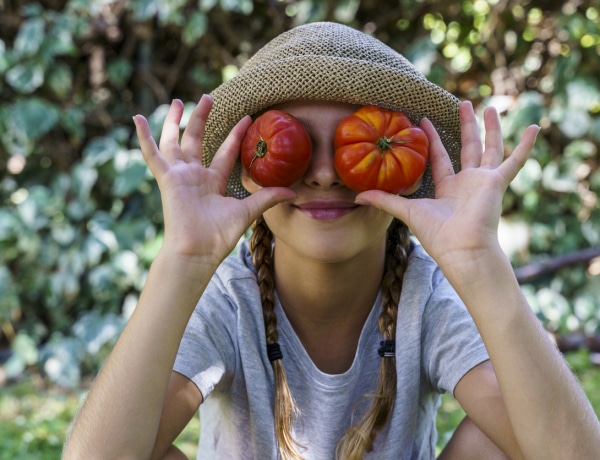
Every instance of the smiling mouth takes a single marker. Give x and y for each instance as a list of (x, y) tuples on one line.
[(327, 210)]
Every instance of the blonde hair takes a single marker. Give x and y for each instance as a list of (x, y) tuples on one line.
[(359, 438)]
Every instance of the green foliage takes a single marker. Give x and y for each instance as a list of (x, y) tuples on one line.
[(80, 215), (34, 420)]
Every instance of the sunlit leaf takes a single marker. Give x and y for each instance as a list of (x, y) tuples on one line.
[(60, 39), (144, 9), (30, 37), (26, 77), (95, 330), (61, 361), (528, 177), (33, 117), (194, 28), (575, 123), (100, 150)]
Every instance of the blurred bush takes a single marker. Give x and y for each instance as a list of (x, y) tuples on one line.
[(80, 215)]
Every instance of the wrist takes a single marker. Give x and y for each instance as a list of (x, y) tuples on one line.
[(482, 275), (186, 265), (184, 275), (469, 265)]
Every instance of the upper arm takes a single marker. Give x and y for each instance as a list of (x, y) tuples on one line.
[(479, 395), (181, 403)]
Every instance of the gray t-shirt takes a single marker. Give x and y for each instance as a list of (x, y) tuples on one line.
[(223, 352)]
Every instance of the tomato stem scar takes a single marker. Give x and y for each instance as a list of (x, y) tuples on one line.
[(259, 152)]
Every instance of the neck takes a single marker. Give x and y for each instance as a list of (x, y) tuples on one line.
[(327, 304)]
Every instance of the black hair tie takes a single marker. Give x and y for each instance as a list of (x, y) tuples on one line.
[(387, 349), (274, 351)]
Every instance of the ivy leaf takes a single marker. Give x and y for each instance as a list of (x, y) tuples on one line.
[(194, 28), (26, 77), (34, 117), (30, 37), (119, 72), (60, 80)]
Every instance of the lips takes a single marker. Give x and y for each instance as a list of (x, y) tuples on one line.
[(327, 209)]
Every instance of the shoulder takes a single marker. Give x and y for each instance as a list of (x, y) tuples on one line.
[(232, 285), (422, 270), (235, 269)]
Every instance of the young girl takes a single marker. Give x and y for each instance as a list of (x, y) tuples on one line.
[(330, 333)]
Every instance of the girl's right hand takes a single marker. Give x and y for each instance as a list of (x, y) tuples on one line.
[(202, 226)]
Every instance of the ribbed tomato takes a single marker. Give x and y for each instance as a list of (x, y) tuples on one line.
[(276, 149), (379, 149)]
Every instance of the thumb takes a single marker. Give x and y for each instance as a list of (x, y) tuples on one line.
[(265, 198), (395, 205)]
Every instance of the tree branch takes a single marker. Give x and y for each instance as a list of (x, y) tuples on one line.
[(530, 272)]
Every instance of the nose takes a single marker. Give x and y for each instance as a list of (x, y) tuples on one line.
[(321, 173)]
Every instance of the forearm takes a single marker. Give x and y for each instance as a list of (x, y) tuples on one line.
[(121, 415), (548, 411)]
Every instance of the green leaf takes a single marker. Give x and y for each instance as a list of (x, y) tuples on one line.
[(194, 28), (582, 94), (30, 37), (100, 150), (239, 6), (84, 178), (575, 124), (33, 117), (72, 120), (119, 71), (528, 177), (61, 359), (60, 79), (130, 179), (96, 330), (25, 353), (9, 303), (5, 58), (144, 9), (59, 40), (26, 77)]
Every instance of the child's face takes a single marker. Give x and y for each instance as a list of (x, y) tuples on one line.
[(323, 223)]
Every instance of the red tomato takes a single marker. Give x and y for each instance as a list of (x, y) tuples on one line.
[(379, 149), (276, 150)]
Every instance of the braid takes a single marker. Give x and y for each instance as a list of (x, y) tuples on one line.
[(285, 409), (360, 438)]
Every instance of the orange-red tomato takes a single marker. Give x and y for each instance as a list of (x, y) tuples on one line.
[(379, 149), (276, 149)]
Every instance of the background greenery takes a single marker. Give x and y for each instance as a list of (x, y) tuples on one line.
[(80, 216)]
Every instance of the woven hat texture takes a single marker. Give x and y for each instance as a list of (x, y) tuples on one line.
[(329, 61)]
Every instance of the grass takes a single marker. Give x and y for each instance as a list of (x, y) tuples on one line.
[(35, 418)]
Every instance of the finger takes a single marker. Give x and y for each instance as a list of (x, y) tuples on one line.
[(493, 154), (150, 151), (513, 164), (441, 165), (191, 141), (265, 198), (389, 203), (229, 151), (169, 138), (471, 152)]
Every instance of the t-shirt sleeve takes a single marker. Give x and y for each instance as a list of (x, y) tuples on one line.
[(208, 348), (452, 345)]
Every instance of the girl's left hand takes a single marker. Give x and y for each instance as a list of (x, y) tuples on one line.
[(462, 220)]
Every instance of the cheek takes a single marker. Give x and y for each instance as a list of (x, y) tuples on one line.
[(248, 183)]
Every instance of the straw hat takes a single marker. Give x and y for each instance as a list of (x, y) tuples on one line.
[(329, 61)]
